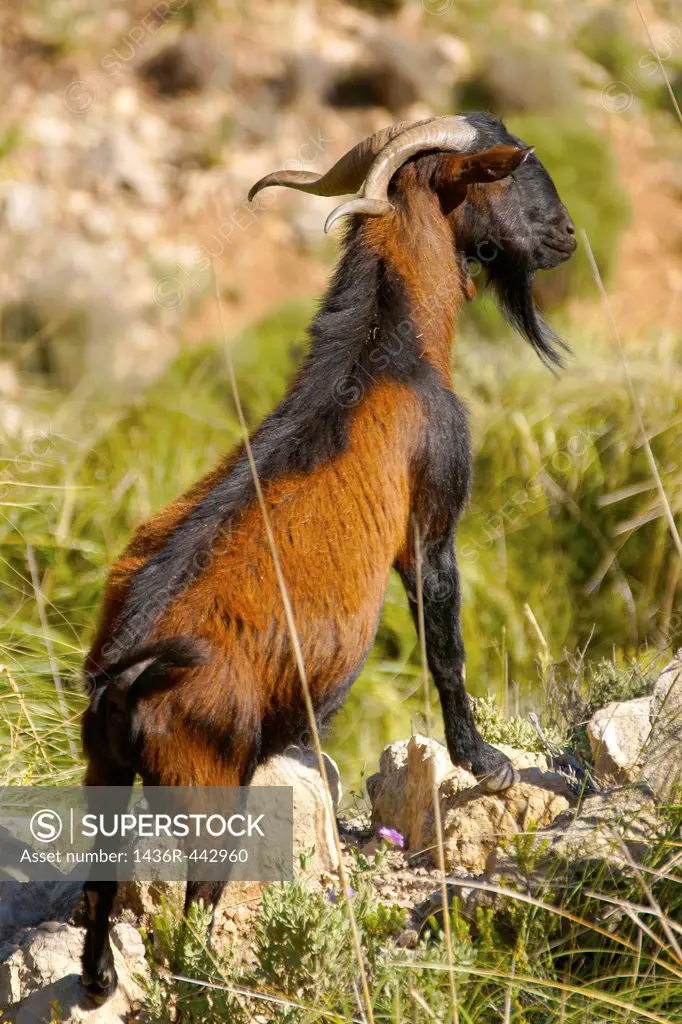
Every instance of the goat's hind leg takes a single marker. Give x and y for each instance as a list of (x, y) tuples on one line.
[(98, 974), (209, 892)]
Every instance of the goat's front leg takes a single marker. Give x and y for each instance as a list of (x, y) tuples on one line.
[(445, 655)]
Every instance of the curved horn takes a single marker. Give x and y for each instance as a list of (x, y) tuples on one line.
[(347, 174), (452, 133), (372, 207)]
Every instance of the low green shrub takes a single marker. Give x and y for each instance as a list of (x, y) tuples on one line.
[(570, 953), (609, 682)]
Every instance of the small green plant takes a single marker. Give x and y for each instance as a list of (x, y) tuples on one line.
[(608, 682), (185, 943), (10, 140), (514, 731), (302, 941), (381, 921), (167, 924)]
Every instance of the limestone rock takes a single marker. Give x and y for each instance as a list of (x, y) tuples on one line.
[(662, 770), (600, 837), (298, 768), (427, 762), (607, 824), (618, 735), (386, 788), (473, 822), (26, 904), (401, 791), (522, 759), (26, 206), (41, 977), (141, 901), (10, 976)]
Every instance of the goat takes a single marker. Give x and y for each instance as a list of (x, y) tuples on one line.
[(192, 674)]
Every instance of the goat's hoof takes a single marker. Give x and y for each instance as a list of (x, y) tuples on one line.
[(499, 779), (101, 987), (494, 771)]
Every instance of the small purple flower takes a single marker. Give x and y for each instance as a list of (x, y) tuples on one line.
[(332, 897), (391, 835)]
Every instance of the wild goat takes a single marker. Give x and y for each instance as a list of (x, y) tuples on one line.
[(192, 674)]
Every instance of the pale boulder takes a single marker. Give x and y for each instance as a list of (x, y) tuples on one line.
[(387, 788), (609, 829), (44, 973), (662, 770), (603, 835), (476, 824), (524, 759), (428, 764), (401, 792), (618, 735), (313, 816)]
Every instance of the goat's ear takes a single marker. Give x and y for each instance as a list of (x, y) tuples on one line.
[(488, 165), (453, 173)]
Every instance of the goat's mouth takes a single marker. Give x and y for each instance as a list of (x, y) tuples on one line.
[(554, 248)]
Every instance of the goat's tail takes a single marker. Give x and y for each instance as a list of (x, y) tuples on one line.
[(111, 721)]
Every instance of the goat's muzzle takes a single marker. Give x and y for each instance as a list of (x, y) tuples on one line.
[(555, 243)]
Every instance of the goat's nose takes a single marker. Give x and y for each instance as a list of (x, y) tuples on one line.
[(569, 226)]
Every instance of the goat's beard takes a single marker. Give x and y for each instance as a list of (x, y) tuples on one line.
[(512, 282)]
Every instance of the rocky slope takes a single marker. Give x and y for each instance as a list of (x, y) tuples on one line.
[(549, 829), (130, 135)]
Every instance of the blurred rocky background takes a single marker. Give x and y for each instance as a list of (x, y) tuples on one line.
[(130, 133)]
